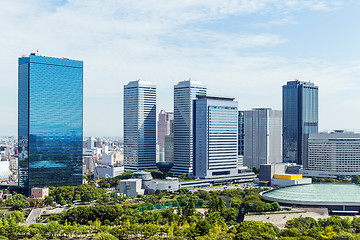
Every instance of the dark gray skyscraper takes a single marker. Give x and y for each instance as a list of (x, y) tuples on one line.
[(241, 133), (139, 125), (300, 118), (184, 94)]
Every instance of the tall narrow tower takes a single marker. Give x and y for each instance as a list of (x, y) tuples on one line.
[(139, 125), (300, 118), (50, 122), (184, 94)]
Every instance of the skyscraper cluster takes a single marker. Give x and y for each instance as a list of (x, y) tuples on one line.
[(205, 135), (211, 138)]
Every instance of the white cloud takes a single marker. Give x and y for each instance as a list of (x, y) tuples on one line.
[(162, 41)]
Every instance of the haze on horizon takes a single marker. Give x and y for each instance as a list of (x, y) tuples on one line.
[(243, 49)]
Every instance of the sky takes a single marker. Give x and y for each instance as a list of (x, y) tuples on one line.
[(245, 49)]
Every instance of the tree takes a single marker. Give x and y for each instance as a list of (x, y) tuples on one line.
[(355, 179), (18, 216), (87, 197), (301, 223)]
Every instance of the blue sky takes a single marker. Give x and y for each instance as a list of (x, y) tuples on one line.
[(244, 49)]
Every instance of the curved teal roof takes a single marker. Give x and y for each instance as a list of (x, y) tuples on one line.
[(316, 194)]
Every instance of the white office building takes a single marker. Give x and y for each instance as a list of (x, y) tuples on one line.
[(333, 154), (262, 137), (140, 125), (215, 137), (184, 94)]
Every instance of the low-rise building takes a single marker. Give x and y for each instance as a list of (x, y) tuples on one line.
[(147, 184), (39, 192), (285, 180), (282, 174), (108, 171), (131, 187)]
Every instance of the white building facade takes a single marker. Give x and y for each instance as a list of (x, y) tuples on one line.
[(140, 125), (262, 137), (333, 154), (184, 94)]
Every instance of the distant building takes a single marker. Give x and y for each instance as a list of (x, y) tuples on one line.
[(50, 122), (184, 94), (169, 145), (215, 137), (300, 118), (139, 125), (39, 192), (241, 133), (263, 137), (91, 143), (164, 127), (143, 183), (282, 174), (131, 187), (333, 154), (89, 164), (108, 159), (241, 138), (108, 171)]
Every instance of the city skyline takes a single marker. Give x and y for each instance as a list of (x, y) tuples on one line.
[(239, 49)]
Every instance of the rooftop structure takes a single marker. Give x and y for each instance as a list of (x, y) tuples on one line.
[(334, 196)]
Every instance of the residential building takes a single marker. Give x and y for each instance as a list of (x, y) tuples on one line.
[(50, 121), (184, 94), (262, 137), (139, 125), (215, 137), (300, 118)]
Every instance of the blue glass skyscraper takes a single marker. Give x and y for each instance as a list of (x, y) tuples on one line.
[(50, 121), (300, 118), (140, 125)]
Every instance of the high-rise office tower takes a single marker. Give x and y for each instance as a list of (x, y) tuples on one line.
[(215, 137), (139, 125), (263, 137), (300, 118), (241, 136), (184, 94), (169, 144), (164, 122), (50, 118)]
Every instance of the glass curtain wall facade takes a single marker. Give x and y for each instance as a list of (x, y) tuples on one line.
[(139, 126), (300, 118), (50, 121), (241, 133), (184, 94), (215, 137)]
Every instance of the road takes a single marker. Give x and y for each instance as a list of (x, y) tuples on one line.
[(34, 214)]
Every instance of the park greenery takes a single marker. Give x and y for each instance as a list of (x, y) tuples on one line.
[(92, 213)]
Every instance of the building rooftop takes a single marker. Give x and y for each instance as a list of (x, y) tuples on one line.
[(139, 83), (189, 83), (316, 194), (215, 97)]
